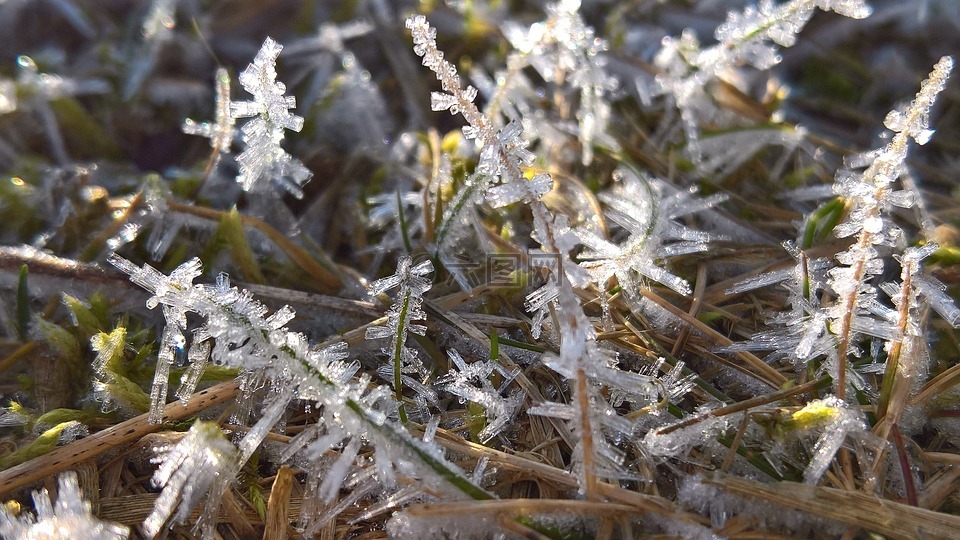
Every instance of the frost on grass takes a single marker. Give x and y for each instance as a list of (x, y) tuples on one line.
[(221, 131), (834, 420), (870, 197), (563, 49), (748, 37), (411, 283), (263, 159), (652, 233), (868, 186), (471, 382), (69, 517), (503, 152), (798, 333), (244, 336), (187, 471)]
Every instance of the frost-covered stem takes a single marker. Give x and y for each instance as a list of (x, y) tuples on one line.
[(385, 429), (791, 15), (397, 353), (849, 304), (881, 173), (515, 64), (460, 201), (207, 304), (425, 45), (397, 436), (572, 321), (894, 375), (586, 434), (783, 13)]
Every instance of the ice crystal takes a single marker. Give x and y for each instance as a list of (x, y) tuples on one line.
[(352, 109), (186, 473), (869, 196), (649, 218), (456, 99), (411, 281), (173, 339), (221, 131), (676, 443), (37, 89), (502, 152), (799, 333), (747, 37), (563, 48), (244, 336), (472, 382), (835, 421), (70, 517), (158, 30), (263, 158)]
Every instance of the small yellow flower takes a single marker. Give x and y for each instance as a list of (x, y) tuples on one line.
[(814, 414)]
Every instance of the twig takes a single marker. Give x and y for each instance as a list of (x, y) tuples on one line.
[(131, 430)]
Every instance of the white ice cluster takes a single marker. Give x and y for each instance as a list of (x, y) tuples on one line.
[(471, 382), (809, 330), (563, 49), (221, 131), (263, 157), (411, 282), (187, 472), (244, 336), (502, 152), (69, 518), (749, 37)]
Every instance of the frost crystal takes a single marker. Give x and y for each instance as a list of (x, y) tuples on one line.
[(564, 48), (411, 282), (186, 472), (263, 157), (70, 517), (649, 218), (502, 152), (747, 37), (353, 410), (835, 420), (471, 382), (221, 131), (869, 196)]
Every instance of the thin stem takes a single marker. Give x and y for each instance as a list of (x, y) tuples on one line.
[(892, 374), (746, 404), (398, 354)]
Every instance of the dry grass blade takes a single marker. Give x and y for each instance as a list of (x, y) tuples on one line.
[(123, 433), (769, 375), (745, 405), (519, 507), (882, 516), (278, 505), (938, 385), (640, 501), (327, 280)]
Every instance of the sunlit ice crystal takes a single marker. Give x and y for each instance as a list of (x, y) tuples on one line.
[(221, 131), (187, 471), (263, 157), (70, 517)]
